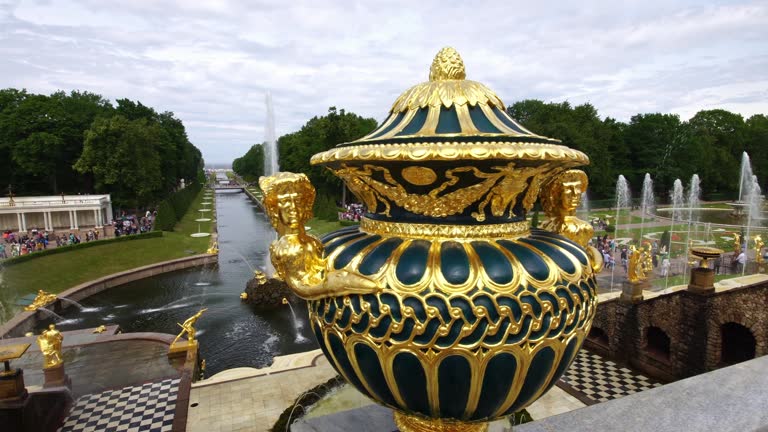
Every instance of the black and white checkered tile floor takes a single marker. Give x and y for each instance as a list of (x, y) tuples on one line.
[(593, 379), (149, 407)]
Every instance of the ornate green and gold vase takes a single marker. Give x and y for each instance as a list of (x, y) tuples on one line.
[(444, 304)]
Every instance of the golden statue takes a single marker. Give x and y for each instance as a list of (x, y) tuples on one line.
[(244, 296), (43, 299), (49, 342), (189, 327), (296, 255), (560, 198), (736, 243), (647, 258), (100, 329), (214, 249), (260, 277), (759, 248), (636, 268)]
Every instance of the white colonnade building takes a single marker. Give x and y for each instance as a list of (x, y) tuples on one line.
[(58, 212)]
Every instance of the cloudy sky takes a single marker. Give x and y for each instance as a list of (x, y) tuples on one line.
[(212, 61)]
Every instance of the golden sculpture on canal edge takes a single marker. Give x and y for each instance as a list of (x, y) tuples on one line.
[(49, 342), (444, 304), (188, 328), (43, 299)]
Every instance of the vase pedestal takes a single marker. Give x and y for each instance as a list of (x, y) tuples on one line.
[(408, 423)]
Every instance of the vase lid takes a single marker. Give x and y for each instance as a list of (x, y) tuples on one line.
[(450, 117)]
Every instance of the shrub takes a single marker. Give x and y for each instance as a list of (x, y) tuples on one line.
[(610, 228), (166, 217)]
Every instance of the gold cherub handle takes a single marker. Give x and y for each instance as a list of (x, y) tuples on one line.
[(297, 256)]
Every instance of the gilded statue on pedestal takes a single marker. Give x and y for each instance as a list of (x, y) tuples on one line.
[(49, 342), (298, 256), (636, 268), (188, 327), (759, 248), (736, 243), (43, 299)]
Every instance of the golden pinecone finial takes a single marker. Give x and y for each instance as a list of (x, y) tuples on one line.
[(447, 65)]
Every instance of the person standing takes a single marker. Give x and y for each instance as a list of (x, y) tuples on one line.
[(665, 266), (741, 261)]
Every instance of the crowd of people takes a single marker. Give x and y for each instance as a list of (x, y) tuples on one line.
[(132, 224), (352, 212), (17, 244), (20, 243)]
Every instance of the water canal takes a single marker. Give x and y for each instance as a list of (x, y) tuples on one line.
[(231, 334)]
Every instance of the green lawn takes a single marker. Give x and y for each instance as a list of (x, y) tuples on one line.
[(321, 227), (59, 272)]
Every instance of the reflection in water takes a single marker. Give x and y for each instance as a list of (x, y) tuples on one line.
[(232, 334)]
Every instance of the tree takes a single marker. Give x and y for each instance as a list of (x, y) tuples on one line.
[(251, 165), (124, 159), (756, 144), (317, 135), (654, 143), (577, 127), (713, 142)]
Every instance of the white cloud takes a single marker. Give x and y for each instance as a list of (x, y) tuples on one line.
[(212, 61)]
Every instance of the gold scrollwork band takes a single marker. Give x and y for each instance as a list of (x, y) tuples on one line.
[(450, 151), (434, 231)]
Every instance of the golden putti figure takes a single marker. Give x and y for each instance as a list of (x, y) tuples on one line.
[(50, 342), (444, 304)]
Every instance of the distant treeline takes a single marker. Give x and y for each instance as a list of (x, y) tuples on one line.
[(710, 144), (81, 143)]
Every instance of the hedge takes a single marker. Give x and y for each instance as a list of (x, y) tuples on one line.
[(166, 217), (85, 245), (173, 208)]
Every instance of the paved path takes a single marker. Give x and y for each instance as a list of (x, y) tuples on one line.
[(254, 403)]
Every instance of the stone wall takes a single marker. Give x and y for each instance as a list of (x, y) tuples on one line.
[(691, 322)]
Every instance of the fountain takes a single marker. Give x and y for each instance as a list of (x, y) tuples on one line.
[(745, 175), (694, 202), (622, 201), (647, 202), (271, 165), (676, 196), (297, 325)]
